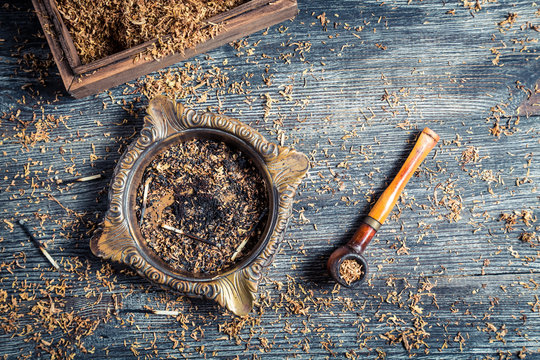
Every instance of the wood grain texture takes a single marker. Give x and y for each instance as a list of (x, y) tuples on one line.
[(444, 256)]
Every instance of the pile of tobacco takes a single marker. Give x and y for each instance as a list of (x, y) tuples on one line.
[(351, 271), (103, 27), (201, 205)]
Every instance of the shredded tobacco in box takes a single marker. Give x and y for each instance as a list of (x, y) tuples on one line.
[(104, 27), (351, 271), (204, 207)]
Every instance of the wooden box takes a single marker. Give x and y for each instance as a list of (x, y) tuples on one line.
[(82, 80)]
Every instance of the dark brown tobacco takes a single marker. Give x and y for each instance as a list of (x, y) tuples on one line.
[(103, 27), (204, 205)]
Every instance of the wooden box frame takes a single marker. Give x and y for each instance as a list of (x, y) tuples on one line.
[(83, 80)]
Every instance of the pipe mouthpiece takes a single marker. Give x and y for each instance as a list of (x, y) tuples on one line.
[(431, 134)]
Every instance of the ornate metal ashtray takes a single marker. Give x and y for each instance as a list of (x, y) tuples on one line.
[(167, 125)]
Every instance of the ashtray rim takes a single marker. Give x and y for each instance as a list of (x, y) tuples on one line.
[(156, 148)]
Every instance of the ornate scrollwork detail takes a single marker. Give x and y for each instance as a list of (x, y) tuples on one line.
[(118, 242)]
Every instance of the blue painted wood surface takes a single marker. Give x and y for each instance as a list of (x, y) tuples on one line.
[(450, 278)]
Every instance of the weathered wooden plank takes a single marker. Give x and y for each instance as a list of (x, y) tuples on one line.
[(355, 109)]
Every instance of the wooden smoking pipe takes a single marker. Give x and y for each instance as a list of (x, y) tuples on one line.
[(355, 247)]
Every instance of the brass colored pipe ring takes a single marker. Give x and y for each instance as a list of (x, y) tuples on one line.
[(373, 223)]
